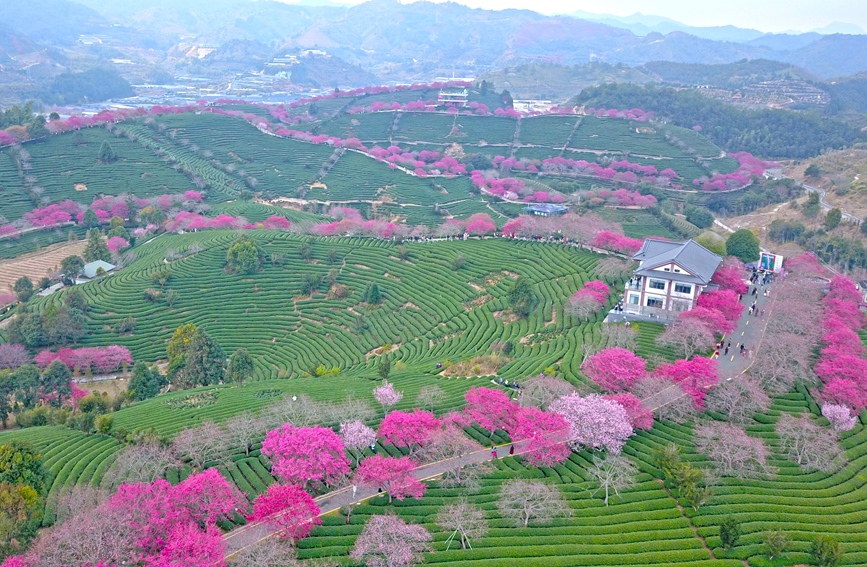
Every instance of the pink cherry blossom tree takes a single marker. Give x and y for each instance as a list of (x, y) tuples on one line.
[(724, 301), (117, 244), (730, 276), (639, 416), (388, 541), (695, 376), (843, 366), (616, 242), (166, 519), (356, 435), (840, 391), (306, 455), (12, 356), (393, 475), (840, 417), (615, 369), (547, 433), (491, 409), (589, 299), (190, 546), (99, 359), (405, 429), (594, 422), (387, 395), (290, 511)]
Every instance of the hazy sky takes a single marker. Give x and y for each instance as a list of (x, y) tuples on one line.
[(765, 15)]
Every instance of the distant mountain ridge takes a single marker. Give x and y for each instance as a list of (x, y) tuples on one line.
[(395, 42), (643, 24)]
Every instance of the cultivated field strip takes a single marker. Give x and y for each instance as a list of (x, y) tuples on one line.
[(37, 265)]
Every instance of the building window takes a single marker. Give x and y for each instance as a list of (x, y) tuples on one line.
[(633, 299), (654, 302), (682, 288), (657, 284), (676, 270), (666, 269)]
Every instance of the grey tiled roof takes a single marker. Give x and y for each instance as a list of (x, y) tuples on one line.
[(689, 255), (89, 270)]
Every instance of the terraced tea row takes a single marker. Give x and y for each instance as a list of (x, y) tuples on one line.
[(434, 312), (642, 528), (71, 457)]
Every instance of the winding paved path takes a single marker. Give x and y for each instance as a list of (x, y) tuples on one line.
[(825, 206), (250, 534), (749, 332)]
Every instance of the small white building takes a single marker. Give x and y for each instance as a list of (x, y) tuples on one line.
[(669, 278), (457, 97)]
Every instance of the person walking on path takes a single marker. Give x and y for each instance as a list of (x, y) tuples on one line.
[(354, 490), (493, 452), (512, 449), (727, 351)]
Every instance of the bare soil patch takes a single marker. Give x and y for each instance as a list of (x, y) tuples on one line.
[(385, 349), (111, 387), (477, 302), (506, 317), (479, 366)]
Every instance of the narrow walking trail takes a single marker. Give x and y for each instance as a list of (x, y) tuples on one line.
[(697, 535), (250, 534)]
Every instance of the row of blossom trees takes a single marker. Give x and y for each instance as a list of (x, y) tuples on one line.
[(98, 359), (619, 371), (842, 365), (748, 166)]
